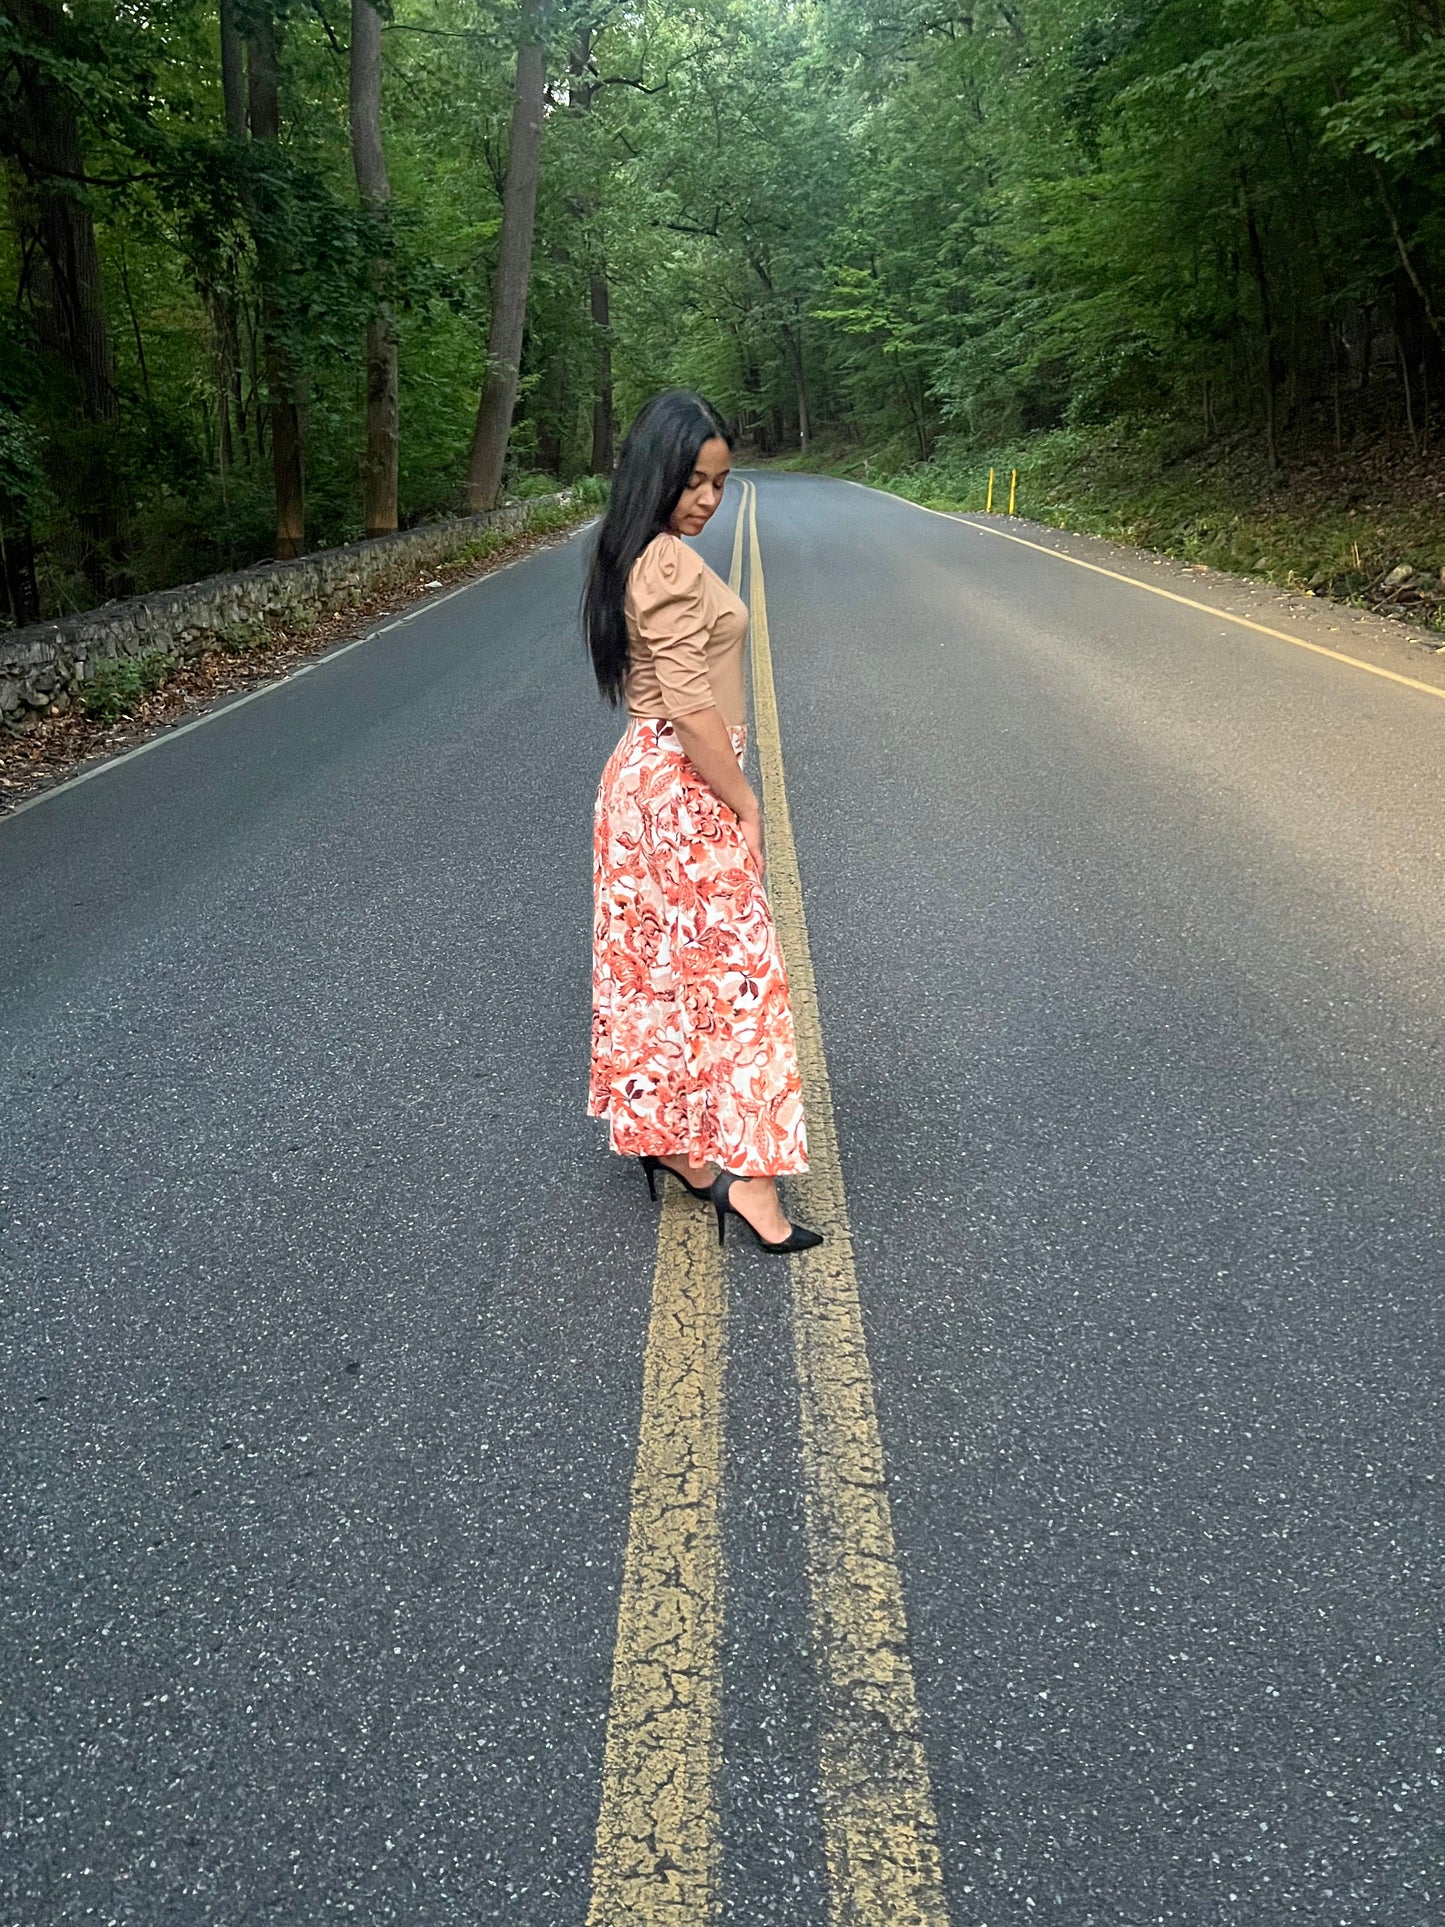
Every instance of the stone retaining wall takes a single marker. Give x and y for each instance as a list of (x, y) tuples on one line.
[(41, 667)]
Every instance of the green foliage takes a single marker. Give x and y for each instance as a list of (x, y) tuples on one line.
[(522, 488), (1074, 217), (1143, 482), (118, 683), (25, 494), (925, 232), (1395, 109)]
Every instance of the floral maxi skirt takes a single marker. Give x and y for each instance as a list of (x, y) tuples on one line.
[(692, 1032)]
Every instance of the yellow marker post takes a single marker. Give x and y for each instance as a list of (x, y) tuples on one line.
[(1013, 482), (1152, 588), (988, 505)]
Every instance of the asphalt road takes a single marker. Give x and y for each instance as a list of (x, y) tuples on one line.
[(324, 1304)]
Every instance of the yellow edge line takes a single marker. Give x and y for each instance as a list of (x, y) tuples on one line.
[(656, 1858), (880, 1827), (1169, 595)]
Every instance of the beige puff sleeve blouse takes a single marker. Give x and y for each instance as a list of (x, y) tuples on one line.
[(685, 634)]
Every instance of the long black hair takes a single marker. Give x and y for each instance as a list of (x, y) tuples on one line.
[(653, 468)]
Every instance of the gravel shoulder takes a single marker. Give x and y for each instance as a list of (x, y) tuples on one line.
[(1388, 643)]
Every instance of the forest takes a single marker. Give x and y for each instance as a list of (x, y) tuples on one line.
[(281, 273)]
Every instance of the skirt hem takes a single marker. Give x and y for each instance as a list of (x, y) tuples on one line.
[(655, 1144)]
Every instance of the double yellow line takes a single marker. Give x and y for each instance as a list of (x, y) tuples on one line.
[(657, 1857)]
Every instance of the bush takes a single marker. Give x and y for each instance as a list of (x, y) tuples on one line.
[(590, 491), (1332, 523), (521, 488), (117, 684)]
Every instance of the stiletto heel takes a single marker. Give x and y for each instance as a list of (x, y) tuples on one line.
[(651, 1166), (800, 1238)]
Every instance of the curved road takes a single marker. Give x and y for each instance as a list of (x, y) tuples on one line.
[(326, 1308)]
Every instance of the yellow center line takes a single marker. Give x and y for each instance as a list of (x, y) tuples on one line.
[(656, 1855), (656, 1858), (880, 1828), (1171, 595), (735, 568)]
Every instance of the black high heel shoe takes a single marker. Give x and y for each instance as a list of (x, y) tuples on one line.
[(650, 1168), (800, 1238)]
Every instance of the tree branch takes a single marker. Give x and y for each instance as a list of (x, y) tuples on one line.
[(626, 80), (336, 46), (686, 227), (35, 168)]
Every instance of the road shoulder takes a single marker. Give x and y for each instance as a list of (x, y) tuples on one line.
[(1396, 646)]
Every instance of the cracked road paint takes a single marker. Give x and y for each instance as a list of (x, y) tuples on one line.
[(881, 1831), (657, 1853), (656, 1857)]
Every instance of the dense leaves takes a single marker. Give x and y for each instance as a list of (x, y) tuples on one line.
[(925, 227)]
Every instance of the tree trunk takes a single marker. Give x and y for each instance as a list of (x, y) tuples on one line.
[(223, 316), (1409, 398), (583, 92), (604, 419), (19, 593), (514, 264), (64, 281), (789, 334), (549, 401), (1406, 258), (369, 159), (751, 414), (794, 347), (1271, 342), (56, 233), (223, 345), (233, 72), (284, 404)]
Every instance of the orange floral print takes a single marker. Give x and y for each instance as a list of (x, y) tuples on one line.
[(692, 1032)]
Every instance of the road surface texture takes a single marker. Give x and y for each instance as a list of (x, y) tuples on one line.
[(336, 1408)]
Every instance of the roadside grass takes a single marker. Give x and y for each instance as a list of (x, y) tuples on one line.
[(1365, 525), (583, 496), (118, 683)]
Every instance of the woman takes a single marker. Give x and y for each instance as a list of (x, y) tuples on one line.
[(693, 1062)]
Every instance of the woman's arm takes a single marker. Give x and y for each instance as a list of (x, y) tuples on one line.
[(670, 597), (704, 735)]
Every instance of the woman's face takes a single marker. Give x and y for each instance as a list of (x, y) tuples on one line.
[(704, 491)]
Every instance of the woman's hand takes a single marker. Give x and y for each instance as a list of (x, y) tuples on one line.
[(752, 825), (704, 736)]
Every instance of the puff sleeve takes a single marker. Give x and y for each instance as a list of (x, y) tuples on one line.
[(670, 602)]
